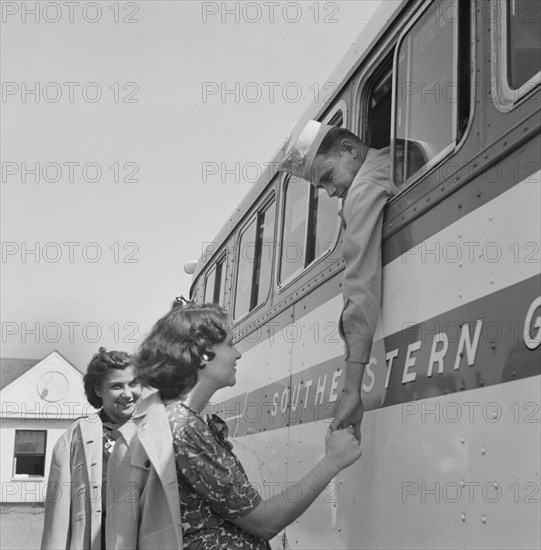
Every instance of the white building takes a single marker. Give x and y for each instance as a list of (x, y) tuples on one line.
[(39, 400)]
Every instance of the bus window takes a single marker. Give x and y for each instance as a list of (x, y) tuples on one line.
[(379, 107), (219, 290), (428, 120), (245, 270), (210, 283), (215, 283), (310, 223), (255, 255), (524, 41), (308, 232), (294, 227), (264, 253), (322, 224)]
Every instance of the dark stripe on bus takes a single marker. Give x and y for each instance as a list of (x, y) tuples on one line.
[(501, 355)]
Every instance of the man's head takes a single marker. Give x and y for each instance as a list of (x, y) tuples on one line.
[(327, 156)]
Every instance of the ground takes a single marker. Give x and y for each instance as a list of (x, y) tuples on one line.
[(20, 526)]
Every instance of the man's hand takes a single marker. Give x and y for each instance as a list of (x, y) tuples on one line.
[(350, 412)]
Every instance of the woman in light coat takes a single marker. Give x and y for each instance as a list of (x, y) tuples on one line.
[(184, 486), (74, 507)]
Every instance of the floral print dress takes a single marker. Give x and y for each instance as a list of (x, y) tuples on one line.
[(213, 486)]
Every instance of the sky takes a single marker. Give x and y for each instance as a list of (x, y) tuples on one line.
[(130, 131)]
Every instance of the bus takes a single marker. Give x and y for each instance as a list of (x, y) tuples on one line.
[(450, 437)]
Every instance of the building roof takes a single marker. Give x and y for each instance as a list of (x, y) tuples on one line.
[(13, 367)]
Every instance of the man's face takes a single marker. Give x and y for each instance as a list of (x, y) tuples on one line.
[(335, 172)]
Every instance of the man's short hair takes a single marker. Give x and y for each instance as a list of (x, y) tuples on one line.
[(331, 142)]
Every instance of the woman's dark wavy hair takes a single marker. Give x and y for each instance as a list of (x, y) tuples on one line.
[(179, 344), (99, 367)]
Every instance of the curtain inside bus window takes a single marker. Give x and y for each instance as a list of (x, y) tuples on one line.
[(292, 251), (524, 44), (245, 259), (426, 93), (209, 286), (265, 252)]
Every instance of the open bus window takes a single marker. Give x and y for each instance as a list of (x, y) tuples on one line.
[(30, 452), (255, 254), (524, 41), (432, 90)]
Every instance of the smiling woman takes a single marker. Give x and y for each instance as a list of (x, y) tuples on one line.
[(186, 486), (74, 507)]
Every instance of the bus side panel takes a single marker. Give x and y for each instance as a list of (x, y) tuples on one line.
[(444, 474)]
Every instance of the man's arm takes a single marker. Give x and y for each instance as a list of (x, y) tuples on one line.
[(363, 214)]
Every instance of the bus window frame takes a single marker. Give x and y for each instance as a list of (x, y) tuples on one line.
[(262, 206), (454, 145), (506, 99), (279, 285)]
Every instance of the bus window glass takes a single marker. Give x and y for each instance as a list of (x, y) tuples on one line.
[(524, 44), (265, 252), (294, 227), (246, 255), (323, 224), (209, 286), (426, 93)]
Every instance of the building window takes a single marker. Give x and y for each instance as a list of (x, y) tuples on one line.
[(255, 254), (524, 43), (432, 96), (30, 452)]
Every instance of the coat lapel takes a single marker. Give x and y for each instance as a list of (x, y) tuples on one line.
[(157, 441)]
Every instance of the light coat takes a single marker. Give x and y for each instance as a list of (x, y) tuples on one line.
[(143, 507), (73, 506)]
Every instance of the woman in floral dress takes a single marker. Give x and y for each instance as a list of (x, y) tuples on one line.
[(188, 356)]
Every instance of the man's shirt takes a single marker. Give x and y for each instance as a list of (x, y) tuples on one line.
[(362, 219)]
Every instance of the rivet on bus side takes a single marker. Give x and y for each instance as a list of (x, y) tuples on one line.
[(460, 294), (484, 519), (462, 484), (462, 439), (483, 451), (463, 517), (491, 281), (490, 218), (460, 264)]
